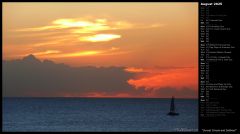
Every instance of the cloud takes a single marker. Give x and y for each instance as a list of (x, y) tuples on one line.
[(93, 26), (158, 78), (80, 33), (100, 37), (35, 78), (111, 51), (47, 52), (32, 77), (59, 54), (82, 25), (81, 53), (134, 70)]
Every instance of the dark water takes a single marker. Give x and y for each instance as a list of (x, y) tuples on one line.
[(92, 114)]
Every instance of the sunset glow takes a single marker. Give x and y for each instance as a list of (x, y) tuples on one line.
[(177, 78), (110, 49), (100, 37), (134, 70)]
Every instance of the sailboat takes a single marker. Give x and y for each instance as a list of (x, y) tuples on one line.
[(172, 108)]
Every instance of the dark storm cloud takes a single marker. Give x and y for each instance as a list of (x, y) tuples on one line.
[(32, 77)]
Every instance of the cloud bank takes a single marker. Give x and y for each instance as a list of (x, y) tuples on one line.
[(30, 77)]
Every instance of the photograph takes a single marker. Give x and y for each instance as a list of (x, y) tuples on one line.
[(100, 67)]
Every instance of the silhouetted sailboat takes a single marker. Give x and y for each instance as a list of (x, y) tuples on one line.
[(172, 108)]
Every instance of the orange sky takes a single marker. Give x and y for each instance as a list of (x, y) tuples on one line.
[(160, 39)]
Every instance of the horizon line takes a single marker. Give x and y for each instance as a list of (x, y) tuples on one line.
[(98, 97)]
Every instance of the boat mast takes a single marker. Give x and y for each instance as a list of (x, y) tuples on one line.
[(172, 108)]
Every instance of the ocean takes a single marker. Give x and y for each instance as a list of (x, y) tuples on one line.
[(98, 115)]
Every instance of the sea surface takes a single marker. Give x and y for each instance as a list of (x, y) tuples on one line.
[(98, 114)]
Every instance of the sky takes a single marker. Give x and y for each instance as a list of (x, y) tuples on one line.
[(157, 42)]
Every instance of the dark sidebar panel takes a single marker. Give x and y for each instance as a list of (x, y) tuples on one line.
[(218, 66)]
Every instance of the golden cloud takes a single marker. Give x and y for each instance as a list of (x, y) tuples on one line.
[(58, 54), (83, 25), (47, 52), (81, 53), (134, 70), (42, 53), (77, 27), (100, 37)]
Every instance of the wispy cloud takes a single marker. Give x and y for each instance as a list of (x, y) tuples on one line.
[(60, 54), (82, 25), (47, 52), (134, 70), (42, 53), (111, 51), (81, 53), (86, 25), (100, 37), (72, 31)]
